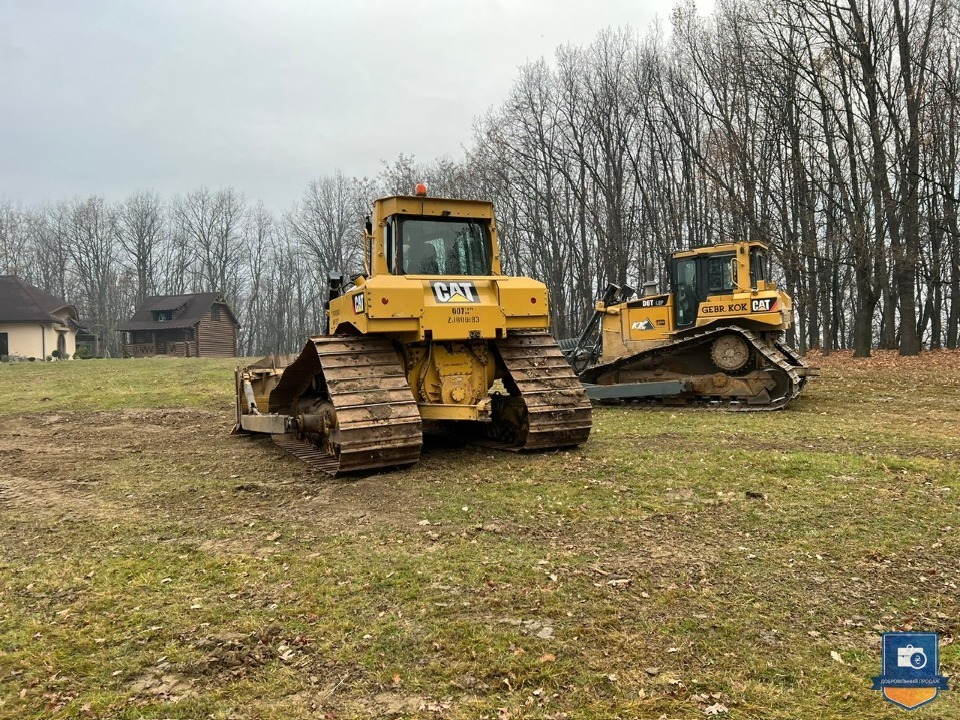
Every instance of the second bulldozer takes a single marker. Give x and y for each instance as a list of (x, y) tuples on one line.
[(431, 335), (714, 339)]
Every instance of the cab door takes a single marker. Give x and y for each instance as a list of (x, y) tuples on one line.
[(686, 290)]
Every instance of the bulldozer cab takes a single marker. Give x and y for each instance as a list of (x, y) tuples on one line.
[(423, 236), (442, 246), (720, 270)]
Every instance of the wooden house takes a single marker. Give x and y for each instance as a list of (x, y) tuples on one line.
[(33, 323), (198, 325)]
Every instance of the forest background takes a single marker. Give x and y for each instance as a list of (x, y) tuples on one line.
[(826, 129)]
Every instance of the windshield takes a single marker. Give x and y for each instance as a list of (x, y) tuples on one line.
[(439, 246)]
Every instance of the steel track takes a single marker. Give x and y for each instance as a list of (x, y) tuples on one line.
[(556, 411), (377, 421), (780, 358)]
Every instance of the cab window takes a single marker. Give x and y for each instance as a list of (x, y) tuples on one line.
[(388, 249), (442, 246), (685, 287), (720, 273), (758, 266)]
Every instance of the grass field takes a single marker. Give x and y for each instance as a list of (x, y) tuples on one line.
[(681, 564)]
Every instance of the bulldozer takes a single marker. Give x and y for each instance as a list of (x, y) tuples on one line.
[(715, 339), (431, 337)]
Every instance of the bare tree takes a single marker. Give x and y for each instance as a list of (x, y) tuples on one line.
[(139, 230)]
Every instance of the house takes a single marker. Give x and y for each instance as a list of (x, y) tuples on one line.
[(198, 325), (34, 323)]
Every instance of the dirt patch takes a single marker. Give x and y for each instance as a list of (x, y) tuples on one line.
[(887, 360), (102, 465)]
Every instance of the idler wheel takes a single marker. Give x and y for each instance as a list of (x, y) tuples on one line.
[(730, 353)]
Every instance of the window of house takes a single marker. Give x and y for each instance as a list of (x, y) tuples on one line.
[(162, 315), (4, 344), (215, 313)]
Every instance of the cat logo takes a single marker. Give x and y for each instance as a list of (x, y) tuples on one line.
[(455, 292), (358, 304), (765, 305)]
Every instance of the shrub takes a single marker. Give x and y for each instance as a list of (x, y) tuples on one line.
[(4, 358), (82, 352), (56, 354)]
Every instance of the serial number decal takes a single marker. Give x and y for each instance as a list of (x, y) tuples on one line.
[(462, 315)]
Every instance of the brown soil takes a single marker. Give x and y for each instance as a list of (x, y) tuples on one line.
[(93, 465)]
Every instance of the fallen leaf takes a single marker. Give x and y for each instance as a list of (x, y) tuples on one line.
[(548, 657), (836, 656), (716, 709)]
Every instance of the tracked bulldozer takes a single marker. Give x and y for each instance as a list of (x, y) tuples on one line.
[(431, 337), (714, 339)]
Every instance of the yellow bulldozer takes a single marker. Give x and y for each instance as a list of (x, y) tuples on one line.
[(714, 339), (432, 336)]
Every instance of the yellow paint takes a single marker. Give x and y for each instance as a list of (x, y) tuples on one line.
[(910, 697), (444, 325), (647, 322)]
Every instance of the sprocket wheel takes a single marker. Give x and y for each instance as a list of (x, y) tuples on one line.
[(730, 353)]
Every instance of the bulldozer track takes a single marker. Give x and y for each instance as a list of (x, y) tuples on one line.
[(779, 357), (557, 412), (377, 420)]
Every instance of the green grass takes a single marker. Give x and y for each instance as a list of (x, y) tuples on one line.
[(116, 384), (154, 566)]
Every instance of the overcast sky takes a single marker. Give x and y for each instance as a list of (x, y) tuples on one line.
[(108, 97)]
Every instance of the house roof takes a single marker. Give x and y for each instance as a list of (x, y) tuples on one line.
[(21, 302), (192, 309)]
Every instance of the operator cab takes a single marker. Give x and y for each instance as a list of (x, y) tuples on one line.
[(438, 246), (417, 235), (695, 275)]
